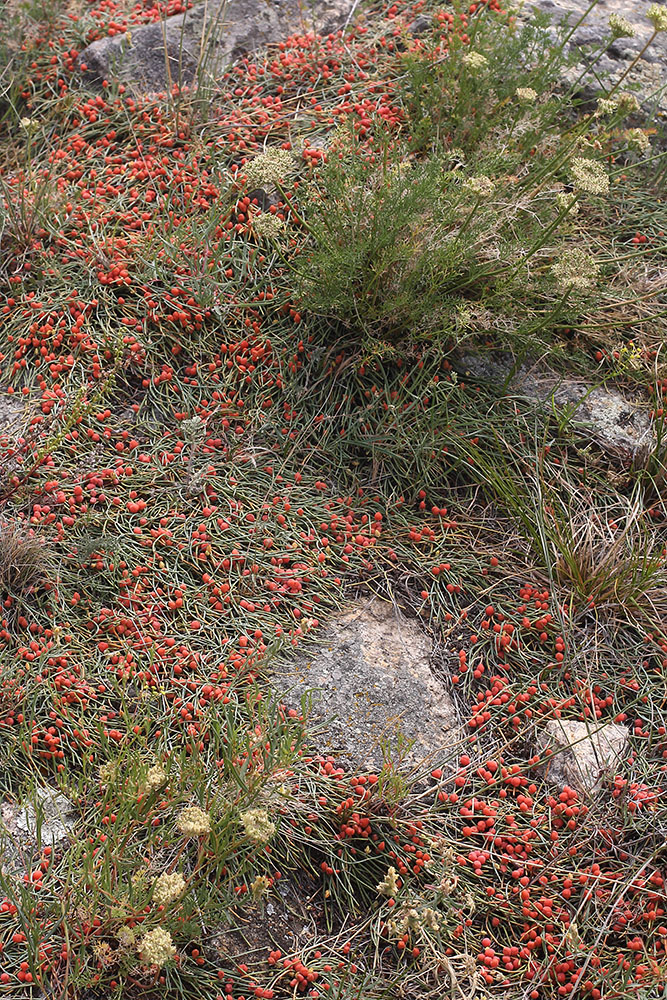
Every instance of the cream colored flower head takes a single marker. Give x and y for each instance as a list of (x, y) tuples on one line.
[(257, 826), (155, 778), (193, 822), (625, 103), (606, 106), (621, 27), (108, 773), (567, 203), (589, 176), (267, 169), (156, 947), (475, 61), (526, 95), (575, 269), (638, 139), (389, 884), (268, 226), (657, 15), (168, 887), (482, 187)]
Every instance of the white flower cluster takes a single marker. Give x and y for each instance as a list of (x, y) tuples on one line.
[(168, 887), (155, 778), (567, 203), (475, 61), (638, 139), (389, 884), (414, 920), (526, 95), (657, 15), (108, 773), (625, 103), (589, 176), (621, 27)]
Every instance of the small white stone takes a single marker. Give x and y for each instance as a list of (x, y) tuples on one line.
[(582, 751)]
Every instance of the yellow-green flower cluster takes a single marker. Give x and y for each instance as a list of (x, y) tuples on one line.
[(481, 186), (621, 27), (125, 936), (657, 15), (627, 103), (267, 169), (268, 226)]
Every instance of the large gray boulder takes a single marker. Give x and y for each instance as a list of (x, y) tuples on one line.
[(204, 40), (373, 689)]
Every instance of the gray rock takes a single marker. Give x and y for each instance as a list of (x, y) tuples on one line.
[(13, 414), (209, 36), (55, 812), (620, 426), (420, 25), (582, 752), (372, 684), (650, 73)]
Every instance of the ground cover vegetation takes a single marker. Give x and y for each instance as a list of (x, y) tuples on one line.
[(229, 326)]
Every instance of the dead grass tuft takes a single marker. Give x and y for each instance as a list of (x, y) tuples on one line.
[(24, 560), (610, 559)]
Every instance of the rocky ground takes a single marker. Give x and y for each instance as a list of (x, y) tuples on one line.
[(210, 35), (332, 541)]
